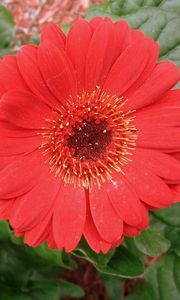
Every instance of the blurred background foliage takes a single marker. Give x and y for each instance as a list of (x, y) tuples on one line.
[(146, 267)]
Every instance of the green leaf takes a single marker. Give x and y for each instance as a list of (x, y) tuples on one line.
[(54, 257), (164, 277), (167, 221), (54, 290), (4, 230), (142, 291), (120, 262), (159, 19), (7, 234), (169, 215), (12, 270), (129, 242), (9, 293), (23, 271), (113, 286), (161, 281), (42, 255), (102, 10), (123, 264), (35, 39), (42, 290), (152, 242), (66, 28), (173, 235), (6, 28), (177, 272)]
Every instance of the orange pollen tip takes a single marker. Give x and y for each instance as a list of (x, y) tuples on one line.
[(88, 139)]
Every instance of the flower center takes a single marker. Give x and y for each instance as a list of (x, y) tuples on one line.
[(88, 139)]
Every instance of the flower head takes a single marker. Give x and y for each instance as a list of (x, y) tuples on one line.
[(89, 135)]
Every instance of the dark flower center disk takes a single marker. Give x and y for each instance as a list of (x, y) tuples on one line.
[(90, 139)]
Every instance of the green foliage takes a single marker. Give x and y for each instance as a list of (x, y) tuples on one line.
[(169, 216), (123, 264), (164, 276), (24, 270), (152, 242), (161, 279), (113, 286), (120, 262), (41, 290), (142, 291), (6, 30)]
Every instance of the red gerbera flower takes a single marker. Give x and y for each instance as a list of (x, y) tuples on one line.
[(89, 128)]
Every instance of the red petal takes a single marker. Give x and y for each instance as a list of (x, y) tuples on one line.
[(164, 76), (176, 155), (91, 234), (9, 130), (137, 35), (77, 43), (149, 187), (95, 22), (123, 74), (28, 66), (39, 233), (23, 109), (2, 89), (54, 34), (122, 36), (124, 199), (32, 207), (51, 241), (159, 163), (69, 217), (13, 145), (158, 116), (130, 231), (5, 208), (103, 50), (153, 53), (107, 222), (170, 99), (57, 71), (10, 76), (144, 216), (162, 138), (19, 177), (176, 192), (6, 160)]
